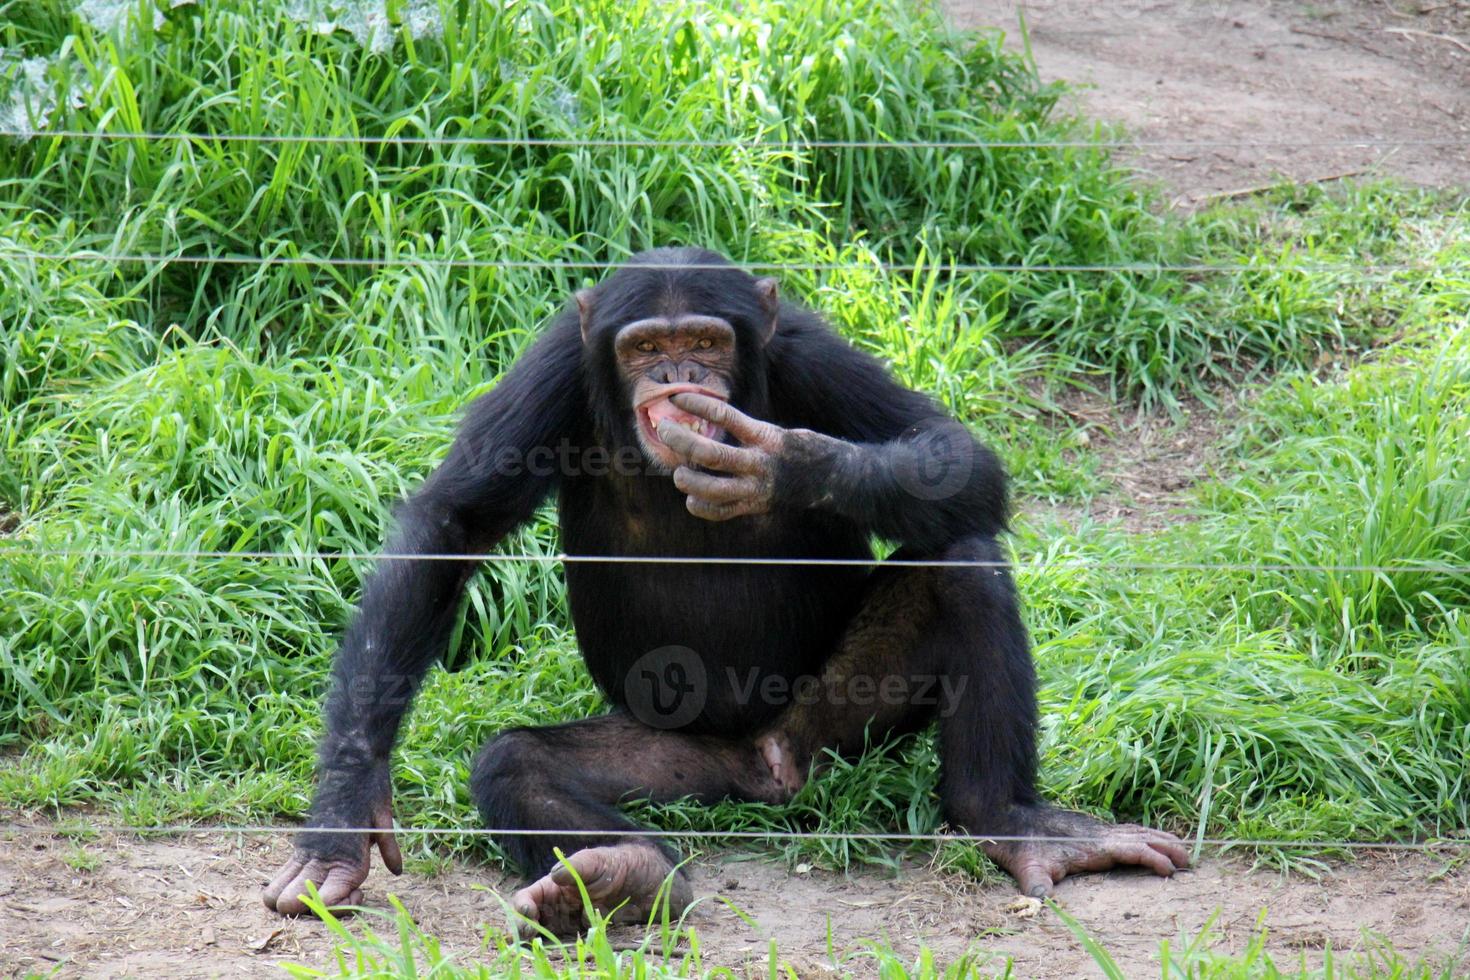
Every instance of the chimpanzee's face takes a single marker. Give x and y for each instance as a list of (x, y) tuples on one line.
[(652, 332)]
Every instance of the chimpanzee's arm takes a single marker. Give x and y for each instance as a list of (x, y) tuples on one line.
[(489, 483), (910, 472)]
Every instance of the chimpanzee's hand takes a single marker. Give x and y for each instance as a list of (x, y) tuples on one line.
[(745, 481), (337, 863)]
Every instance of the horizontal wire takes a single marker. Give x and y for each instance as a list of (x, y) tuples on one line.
[(1137, 268), (874, 836), (714, 144), (563, 558)]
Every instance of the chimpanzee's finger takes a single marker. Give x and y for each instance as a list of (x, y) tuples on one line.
[(1172, 846), (341, 886), (387, 843), (288, 894), (1159, 851), (732, 420), (388, 847), (706, 452), (716, 489), (1034, 879), (286, 876), (1116, 852)]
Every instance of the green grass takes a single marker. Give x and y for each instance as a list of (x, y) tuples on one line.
[(237, 407)]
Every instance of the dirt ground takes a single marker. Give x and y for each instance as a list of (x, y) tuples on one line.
[(189, 907), (1151, 462), (1301, 77)]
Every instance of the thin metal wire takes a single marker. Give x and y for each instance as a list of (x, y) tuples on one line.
[(716, 144), (763, 835), (563, 558), (1131, 268)]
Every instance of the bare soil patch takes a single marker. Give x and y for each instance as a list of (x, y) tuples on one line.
[(190, 907), (1151, 461), (1301, 77)]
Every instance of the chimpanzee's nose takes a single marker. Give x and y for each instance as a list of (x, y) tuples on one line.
[(679, 372), (692, 373)]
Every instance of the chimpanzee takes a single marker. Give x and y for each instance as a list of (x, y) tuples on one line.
[(680, 410)]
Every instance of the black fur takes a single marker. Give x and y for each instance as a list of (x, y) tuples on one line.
[(744, 622)]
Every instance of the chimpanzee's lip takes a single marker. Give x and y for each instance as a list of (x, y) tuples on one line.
[(658, 408), (672, 390)]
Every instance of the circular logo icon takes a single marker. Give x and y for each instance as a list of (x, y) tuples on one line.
[(666, 688), (942, 461)]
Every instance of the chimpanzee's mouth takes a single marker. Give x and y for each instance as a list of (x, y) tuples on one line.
[(660, 409)]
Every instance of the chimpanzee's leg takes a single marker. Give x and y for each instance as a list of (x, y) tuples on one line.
[(950, 642), (571, 777)]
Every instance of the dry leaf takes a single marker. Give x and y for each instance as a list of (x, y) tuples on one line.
[(1024, 907)]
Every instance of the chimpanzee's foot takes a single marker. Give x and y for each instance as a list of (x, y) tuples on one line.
[(1038, 865), (625, 877)]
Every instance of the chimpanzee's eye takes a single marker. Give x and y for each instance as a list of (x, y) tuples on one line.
[(705, 343), (647, 346)]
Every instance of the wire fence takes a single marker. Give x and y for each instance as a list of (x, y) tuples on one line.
[(562, 558), (938, 837), (1358, 270), (760, 143)]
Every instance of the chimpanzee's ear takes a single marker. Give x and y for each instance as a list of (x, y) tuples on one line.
[(584, 311), (770, 298)]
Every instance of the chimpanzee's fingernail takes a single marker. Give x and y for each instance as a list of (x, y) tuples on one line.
[(1039, 891)]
